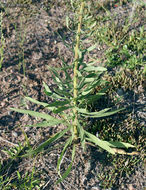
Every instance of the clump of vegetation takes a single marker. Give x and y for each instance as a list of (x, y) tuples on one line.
[(129, 53), (74, 95), (8, 181), (124, 45)]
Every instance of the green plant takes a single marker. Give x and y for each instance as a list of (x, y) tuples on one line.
[(27, 182), (130, 53), (123, 46), (4, 183), (5, 179), (70, 102), (2, 40), (17, 179), (9, 179)]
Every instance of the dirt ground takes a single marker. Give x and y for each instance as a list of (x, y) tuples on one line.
[(42, 47)]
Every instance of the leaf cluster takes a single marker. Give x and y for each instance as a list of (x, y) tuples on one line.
[(89, 77)]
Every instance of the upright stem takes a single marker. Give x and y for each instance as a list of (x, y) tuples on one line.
[(76, 61)]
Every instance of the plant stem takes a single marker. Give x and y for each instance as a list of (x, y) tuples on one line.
[(76, 61)]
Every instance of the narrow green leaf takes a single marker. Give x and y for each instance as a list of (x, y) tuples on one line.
[(81, 83), (86, 92), (47, 88), (79, 53), (81, 135), (69, 167), (79, 74), (103, 90), (63, 93), (92, 113), (102, 113), (54, 95), (66, 44), (92, 75), (36, 102), (100, 143), (94, 24), (116, 144), (81, 110), (47, 124), (58, 103), (73, 152), (68, 142), (57, 79), (89, 80), (93, 98), (65, 67), (54, 71), (91, 86), (61, 109), (49, 93), (92, 68), (65, 174), (18, 175), (92, 48), (107, 113), (36, 114), (92, 63), (47, 142)]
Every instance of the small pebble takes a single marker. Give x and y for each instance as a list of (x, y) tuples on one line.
[(14, 134), (95, 188), (140, 88), (3, 104)]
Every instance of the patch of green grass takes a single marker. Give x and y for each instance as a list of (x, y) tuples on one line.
[(124, 45), (123, 127), (18, 181), (122, 166), (11, 176), (129, 53), (26, 181)]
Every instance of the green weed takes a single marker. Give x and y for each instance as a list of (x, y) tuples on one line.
[(12, 177), (27, 181), (124, 46), (70, 100), (121, 166), (125, 128), (130, 52)]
